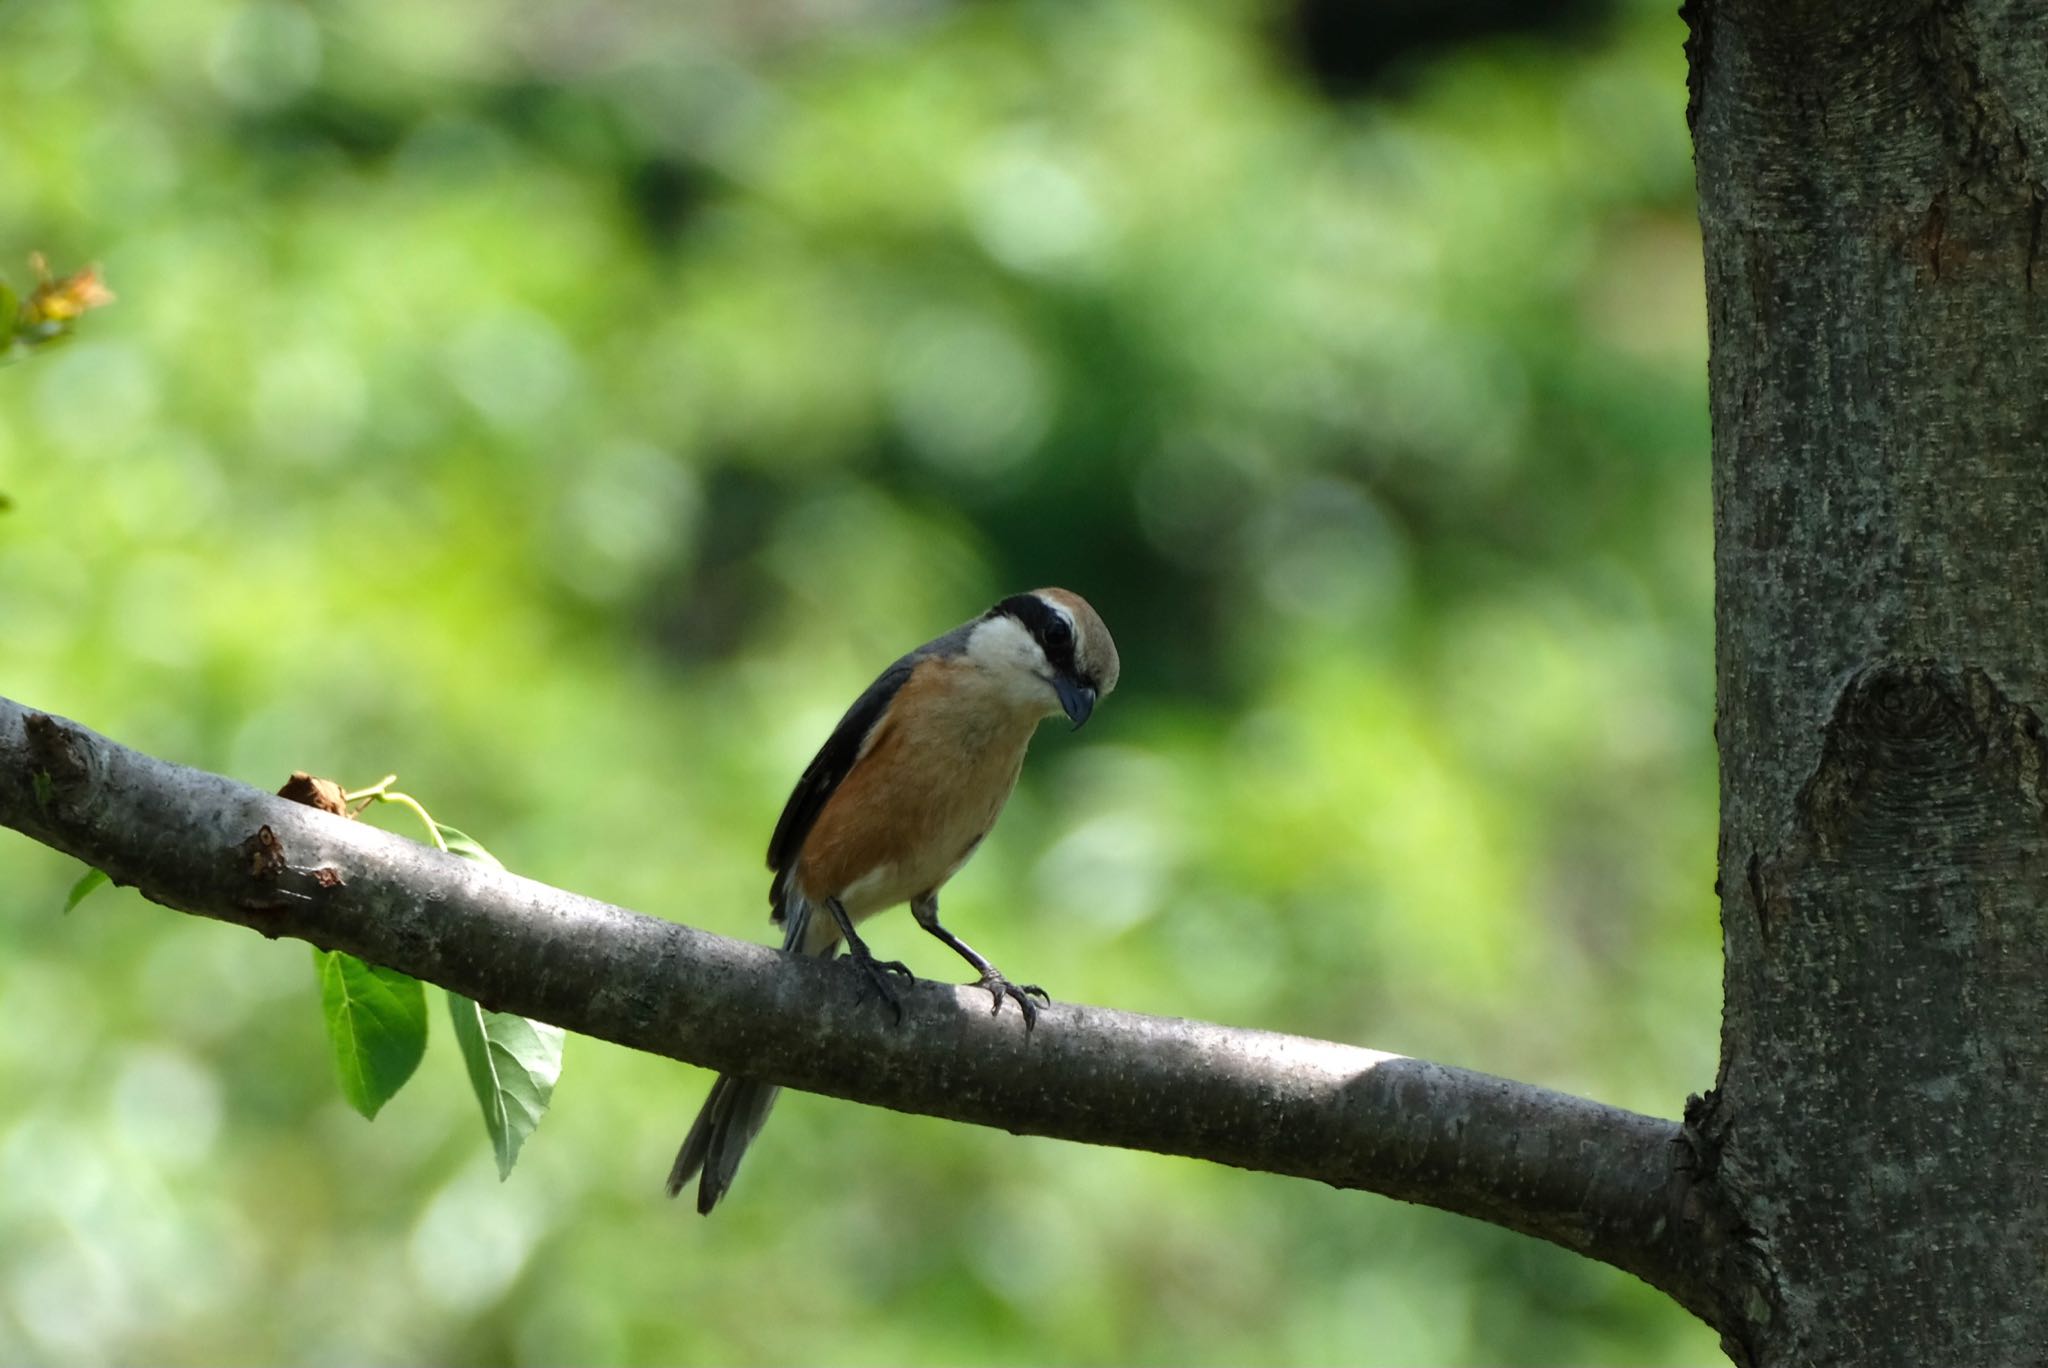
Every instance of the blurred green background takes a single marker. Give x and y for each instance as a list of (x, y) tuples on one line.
[(572, 407)]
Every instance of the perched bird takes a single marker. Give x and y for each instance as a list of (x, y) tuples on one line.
[(898, 797)]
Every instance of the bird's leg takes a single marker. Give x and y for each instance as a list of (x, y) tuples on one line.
[(926, 909), (878, 971)]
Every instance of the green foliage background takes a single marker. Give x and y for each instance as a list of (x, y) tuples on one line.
[(571, 407)]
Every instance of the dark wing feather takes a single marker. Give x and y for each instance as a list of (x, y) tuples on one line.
[(834, 759)]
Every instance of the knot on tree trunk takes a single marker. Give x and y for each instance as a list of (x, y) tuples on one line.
[(1924, 761)]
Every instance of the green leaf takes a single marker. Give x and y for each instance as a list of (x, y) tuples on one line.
[(376, 1024), (463, 844), (81, 890), (513, 1064), (10, 308)]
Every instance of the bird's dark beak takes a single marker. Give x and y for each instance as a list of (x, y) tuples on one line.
[(1077, 698)]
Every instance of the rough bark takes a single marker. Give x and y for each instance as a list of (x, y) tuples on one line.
[(1871, 201), (1607, 1183)]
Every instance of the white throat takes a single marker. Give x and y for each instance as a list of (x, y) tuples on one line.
[(1012, 663)]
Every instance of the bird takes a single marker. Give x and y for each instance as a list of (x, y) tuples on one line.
[(900, 795)]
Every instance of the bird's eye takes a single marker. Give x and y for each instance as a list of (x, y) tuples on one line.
[(1058, 633)]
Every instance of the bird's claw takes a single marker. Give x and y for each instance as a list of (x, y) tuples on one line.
[(878, 972), (1022, 993)]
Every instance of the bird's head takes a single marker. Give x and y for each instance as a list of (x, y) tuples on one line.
[(1050, 648)]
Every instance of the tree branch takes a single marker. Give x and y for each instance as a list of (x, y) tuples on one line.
[(1607, 1183)]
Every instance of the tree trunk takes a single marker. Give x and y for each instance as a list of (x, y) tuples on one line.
[(1872, 212)]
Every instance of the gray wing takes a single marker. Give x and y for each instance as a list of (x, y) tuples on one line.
[(836, 758)]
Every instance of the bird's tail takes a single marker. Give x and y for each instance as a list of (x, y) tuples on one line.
[(737, 1107), (731, 1118)]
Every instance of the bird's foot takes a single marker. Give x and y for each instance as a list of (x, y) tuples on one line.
[(878, 974), (1021, 993)]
